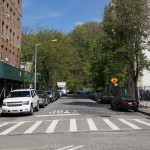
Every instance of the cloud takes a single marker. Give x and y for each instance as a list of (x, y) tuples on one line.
[(79, 23), (26, 3), (45, 16)]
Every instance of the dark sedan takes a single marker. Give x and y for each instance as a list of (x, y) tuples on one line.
[(43, 98), (125, 102), (103, 97)]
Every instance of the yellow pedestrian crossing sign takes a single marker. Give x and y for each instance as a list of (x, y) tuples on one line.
[(114, 80)]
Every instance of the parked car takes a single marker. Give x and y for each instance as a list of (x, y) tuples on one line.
[(60, 92), (21, 101), (43, 98), (125, 102), (103, 97), (84, 91), (93, 95), (51, 95), (57, 94)]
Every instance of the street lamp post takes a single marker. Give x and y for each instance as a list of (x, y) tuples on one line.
[(36, 46)]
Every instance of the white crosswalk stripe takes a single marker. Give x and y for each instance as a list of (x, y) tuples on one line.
[(52, 126), (11, 128), (109, 123), (92, 125), (73, 125), (129, 124), (3, 124), (32, 128), (140, 121)]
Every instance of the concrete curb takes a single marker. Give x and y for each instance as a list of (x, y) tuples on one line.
[(0, 111), (144, 112)]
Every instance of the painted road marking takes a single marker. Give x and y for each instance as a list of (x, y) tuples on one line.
[(140, 121), (11, 128), (73, 125), (57, 115), (71, 147), (52, 126), (91, 124), (65, 147), (76, 147), (3, 124), (63, 112), (109, 123), (129, 124), (32, 128)]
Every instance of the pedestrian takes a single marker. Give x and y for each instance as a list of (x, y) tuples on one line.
[(141, 92), (125, 92)]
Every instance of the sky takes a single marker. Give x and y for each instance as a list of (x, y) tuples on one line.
[(61, 15)]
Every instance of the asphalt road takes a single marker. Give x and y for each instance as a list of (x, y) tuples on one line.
[(76, 123)]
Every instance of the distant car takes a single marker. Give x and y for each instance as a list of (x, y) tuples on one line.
[(21, 101), (84, 91), (70, 92), (93, 95), (51, 95), (43, 98), (63, 90), (125, 102), (103, 97)]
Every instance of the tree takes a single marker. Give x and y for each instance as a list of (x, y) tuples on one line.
[(85, 39), (126, 24)]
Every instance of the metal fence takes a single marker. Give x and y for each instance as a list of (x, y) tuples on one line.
[(144, 93)]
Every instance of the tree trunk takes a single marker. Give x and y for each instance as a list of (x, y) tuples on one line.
[(135, 89)]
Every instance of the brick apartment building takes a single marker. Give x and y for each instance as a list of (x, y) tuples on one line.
[(11, 76)]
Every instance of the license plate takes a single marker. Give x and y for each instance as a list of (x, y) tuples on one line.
[(130, 103)]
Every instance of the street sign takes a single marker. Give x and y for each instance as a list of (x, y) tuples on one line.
[(114, 80)]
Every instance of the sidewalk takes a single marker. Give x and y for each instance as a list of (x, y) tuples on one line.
[(0, 111), (144, 107)]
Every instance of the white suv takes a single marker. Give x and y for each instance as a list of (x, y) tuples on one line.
[(21, 101)]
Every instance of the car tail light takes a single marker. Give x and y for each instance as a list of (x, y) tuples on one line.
[(135, 102), (124, 102)]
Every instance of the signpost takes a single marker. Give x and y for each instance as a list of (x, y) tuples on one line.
[(114, 80)]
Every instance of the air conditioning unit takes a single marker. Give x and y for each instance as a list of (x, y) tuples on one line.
[(18, 46), (6, 59), (7, 37), (7, 15)]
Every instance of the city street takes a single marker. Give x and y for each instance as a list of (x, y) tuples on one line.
[(76, 122)]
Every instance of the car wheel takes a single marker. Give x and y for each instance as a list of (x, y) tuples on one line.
[(37, 107), (46, 103), (99, 100), (112, 107), (43, 105), (3, 114), (118, 107), (135, 110), (49, 101), (31, 110)]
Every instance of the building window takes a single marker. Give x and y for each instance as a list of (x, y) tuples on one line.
[(3, 29), (10, 35), (7, 37), (13, 38)]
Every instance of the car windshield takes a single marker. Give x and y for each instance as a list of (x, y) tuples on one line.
[(124, 97), (20, 94), (106, 94), (39, 92), (60, 88), (49, 92)]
